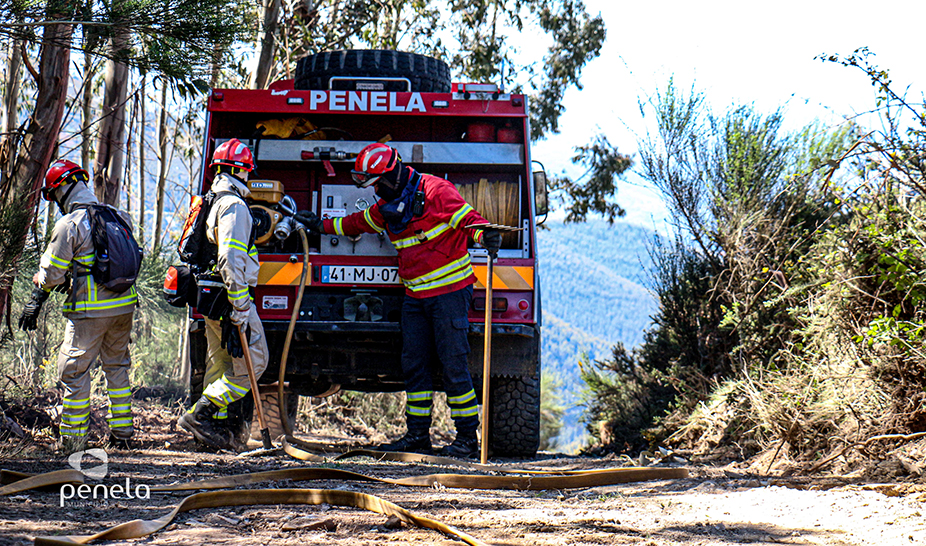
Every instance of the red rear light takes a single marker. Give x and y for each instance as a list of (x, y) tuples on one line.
[(523, 305)]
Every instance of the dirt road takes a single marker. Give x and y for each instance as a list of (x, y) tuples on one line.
[(715, 506)]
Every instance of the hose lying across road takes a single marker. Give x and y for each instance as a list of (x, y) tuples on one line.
[(228, 495)]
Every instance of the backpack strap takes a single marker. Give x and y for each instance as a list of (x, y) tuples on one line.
[(84, 270), (235, 194)]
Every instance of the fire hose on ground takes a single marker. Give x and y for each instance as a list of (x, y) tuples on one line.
[(226, 494)]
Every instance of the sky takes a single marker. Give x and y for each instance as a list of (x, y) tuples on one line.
[(759, 53)]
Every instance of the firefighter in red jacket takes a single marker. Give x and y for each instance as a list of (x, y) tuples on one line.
[(424, 216)]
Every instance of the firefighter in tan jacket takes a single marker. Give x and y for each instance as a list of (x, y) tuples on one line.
[(228, 227), (99, 322)]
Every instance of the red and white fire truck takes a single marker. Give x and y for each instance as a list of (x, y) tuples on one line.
[(304, 133)]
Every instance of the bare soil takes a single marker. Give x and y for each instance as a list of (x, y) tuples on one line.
[(720, 504)]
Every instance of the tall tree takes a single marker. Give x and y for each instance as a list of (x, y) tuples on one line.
[(110, 157), (266, 42), (23, 176), (164, 161), (175, 38), (142, 128)]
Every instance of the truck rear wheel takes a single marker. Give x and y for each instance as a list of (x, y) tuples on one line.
[(269, 401), (426, 74), (515, 410)]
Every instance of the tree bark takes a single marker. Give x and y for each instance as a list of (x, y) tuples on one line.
[(142, 127), (18, 192), (11, 97), (266, 43), (162, 174), (108, 167), (86, 110)]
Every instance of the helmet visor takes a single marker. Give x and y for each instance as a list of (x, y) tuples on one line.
[(362, 179)]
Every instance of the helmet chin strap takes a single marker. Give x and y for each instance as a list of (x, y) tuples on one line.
[(64, 198)]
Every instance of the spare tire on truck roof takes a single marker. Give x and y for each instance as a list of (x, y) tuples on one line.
[(426, 74)]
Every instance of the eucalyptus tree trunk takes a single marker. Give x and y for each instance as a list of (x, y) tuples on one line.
[(108, 167), (164, 165), (86, 110), (266, 44), (19, 190), (11, 87), (142, 128)]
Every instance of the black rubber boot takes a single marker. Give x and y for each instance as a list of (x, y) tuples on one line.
[(238, 423), (198, 422), (464, 446), (118, 442), (412, 442)]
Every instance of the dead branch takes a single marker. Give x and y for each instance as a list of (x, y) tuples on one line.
[(864, 445)]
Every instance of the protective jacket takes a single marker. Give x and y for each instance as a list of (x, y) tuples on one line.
[(229, 227), (71, 249), (432, 254)]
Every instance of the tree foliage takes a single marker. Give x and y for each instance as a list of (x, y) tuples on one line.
[(748, 200), (176, 38)]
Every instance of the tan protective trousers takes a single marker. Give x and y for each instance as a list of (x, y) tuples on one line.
[(86, 340), (226, 378)]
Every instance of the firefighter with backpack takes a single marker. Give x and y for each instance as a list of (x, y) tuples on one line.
[(94, 259), (226, 269)]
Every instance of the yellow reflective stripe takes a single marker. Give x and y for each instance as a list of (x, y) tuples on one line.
[(462, 399), (464, 412), (419, 396), (102, 304), (57, 262), (238, 294), (70, 431), (75, 419), (121, 422), (235, 244), (222, 392), (440, 272), (449, 274), (420, 412), (414, 240), (240, 390), (115, 393), (219, 399), (459, 215), (76, 404), (337, 224), (85, 260), (368, 216), (120, 408), (446, 281)]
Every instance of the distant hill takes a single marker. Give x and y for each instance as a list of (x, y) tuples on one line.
[(592, 279)]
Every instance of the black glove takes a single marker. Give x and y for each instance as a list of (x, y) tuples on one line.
[(31, 310), (310, 220), (492, 241), (231, 339)]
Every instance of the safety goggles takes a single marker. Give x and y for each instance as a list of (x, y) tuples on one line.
[(364, 180)]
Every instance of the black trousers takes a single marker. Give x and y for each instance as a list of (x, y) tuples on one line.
[(434, 330)]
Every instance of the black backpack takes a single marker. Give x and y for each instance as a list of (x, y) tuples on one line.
[(194, 248), (118, 257)]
